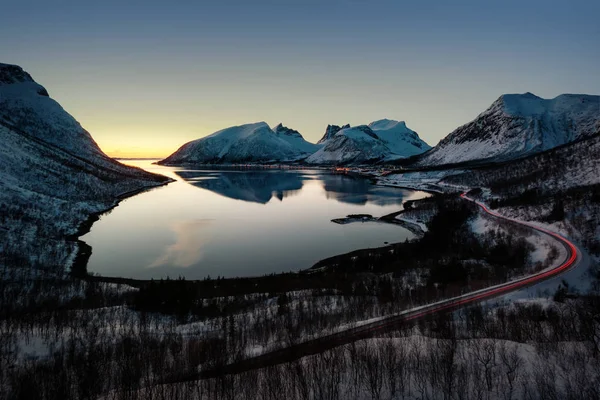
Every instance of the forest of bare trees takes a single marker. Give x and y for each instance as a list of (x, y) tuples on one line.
[(525, 350)]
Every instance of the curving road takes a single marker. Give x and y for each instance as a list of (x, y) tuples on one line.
[(314, 346)]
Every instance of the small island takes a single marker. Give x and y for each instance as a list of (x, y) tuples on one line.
[(354, 218)]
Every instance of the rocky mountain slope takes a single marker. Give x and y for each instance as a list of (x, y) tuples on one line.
[(379, 141), (295, 139), (52, 175), (517, 125), (245, 143), (552, 172), (330, 132)]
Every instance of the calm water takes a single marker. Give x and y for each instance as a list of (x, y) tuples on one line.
[(240, 223)]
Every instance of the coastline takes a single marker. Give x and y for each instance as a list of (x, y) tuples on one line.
[(386, 219), (78, 267), (84, 251), (413, 227)]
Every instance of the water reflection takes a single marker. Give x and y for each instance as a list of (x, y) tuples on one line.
[(355, 190), (261, 186), (236, 226), (190, 238), (255, 186)]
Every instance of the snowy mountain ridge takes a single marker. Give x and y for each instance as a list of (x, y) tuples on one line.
[(10, 74), (516, 125), (330, 132), (27, 105), (381, 140), (255, 142), (295, 139)]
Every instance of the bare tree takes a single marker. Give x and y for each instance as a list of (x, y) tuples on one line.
[(372, 366), (484, 352), (511, 364)]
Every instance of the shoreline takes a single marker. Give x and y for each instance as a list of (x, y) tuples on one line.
[(411, 226), (78, 267), (386, 219), (84, 251)]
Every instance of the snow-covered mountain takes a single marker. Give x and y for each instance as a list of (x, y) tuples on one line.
[(517, 125), (245, 143), (398, 138), (330, 132), (52, 173), (380, 140), (295, 139), (26, 105)]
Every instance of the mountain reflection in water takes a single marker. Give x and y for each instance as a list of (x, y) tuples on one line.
[(229, 222), (348, 189), (255, 186), (260, 186)]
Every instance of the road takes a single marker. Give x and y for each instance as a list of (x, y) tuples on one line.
[(314, 346)]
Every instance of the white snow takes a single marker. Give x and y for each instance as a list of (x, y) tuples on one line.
[(516, 125), (400, 140), (380, 140), (255, 142)]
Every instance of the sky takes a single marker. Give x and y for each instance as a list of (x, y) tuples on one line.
[(144, 77)]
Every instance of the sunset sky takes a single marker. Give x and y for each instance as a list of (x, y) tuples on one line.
[(147, 76)]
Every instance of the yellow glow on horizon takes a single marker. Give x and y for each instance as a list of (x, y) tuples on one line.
[(143, 141)]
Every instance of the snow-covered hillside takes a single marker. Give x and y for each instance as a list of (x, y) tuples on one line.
[(398, 138), (26, 105), (52, 174), (330, 132), (557, 171), (295, 139), (245, 143), (380, 140), (517, 125)]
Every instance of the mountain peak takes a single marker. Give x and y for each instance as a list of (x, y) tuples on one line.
[(330, 132), (280, 129), (249, 143), (22, 81), (516, 125), (518, 104), (526, 95), (379, 141), (387, 124), (10, 74)]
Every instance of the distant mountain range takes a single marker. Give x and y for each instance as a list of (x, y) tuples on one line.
[(258, 143), (514, 126)]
